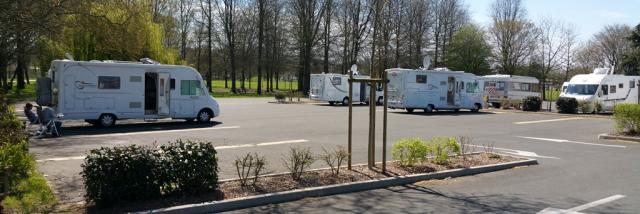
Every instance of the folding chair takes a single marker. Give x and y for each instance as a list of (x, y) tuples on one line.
[(48, 128)]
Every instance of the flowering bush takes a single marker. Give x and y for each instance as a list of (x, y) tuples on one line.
[(130, 173)]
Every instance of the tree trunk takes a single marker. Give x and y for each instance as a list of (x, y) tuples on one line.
[(260, 41), (209, 55)]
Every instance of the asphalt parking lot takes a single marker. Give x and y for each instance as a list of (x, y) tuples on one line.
[(576, 170)]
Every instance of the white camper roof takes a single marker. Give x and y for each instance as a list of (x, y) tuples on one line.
[(587, 78), (511, 77), (110, 63), (438, 71)]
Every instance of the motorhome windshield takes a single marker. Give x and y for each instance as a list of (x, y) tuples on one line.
[(582, 89)]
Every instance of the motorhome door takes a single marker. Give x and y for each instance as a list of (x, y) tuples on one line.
[(451, 92), (163, 94)]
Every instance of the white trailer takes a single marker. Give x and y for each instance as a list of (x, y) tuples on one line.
[(604, 88), (500, 87), (438, 89), (334, 88), (101, 92)]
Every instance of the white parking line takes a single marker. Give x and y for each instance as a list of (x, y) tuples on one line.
[(518, 152), (545, 121), (570, 141), (150, 132), (550, 210), (217, 148)]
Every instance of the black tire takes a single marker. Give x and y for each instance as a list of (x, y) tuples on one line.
[(107, 120), (331, 103), (477, 108), (379, 101), (496, 105), (345, 101), (410, 110), (429, 109), (204, 116)]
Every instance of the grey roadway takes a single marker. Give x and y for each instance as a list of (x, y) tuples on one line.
[(571, 173)]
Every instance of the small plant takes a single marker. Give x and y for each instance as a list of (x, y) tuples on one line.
[(465, 147), (280, 96), (488, 149), (598, 106), (584, 107), (517, 104), (441, 147), (297, 161), (250, 164), (627, 118), (505, 104), (532, 103), (409, 151), (567, 105), (334, 158)]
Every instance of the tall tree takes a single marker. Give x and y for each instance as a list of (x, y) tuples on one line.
[(227, 12), (631, 60), (185, 17), (261, 23), (207, 12), (327, 34), (512, 34), (308, 15), (469, 51)]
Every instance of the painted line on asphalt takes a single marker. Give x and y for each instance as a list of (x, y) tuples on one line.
[(570, 141), (546, 121), (518, 152), (61, 159), (151, 132), (575, 210), (217, 148)]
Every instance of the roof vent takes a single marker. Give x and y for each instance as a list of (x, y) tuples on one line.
[(149, 61)]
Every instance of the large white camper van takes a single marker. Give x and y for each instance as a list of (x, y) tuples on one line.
[(101, 92), (603, 87), (500, 87), (334, 88), (433, 90)]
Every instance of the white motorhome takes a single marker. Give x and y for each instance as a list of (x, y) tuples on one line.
[(334, 88), (438, 89), (101, 92), (500, 87), (565, 85), (603, 87)]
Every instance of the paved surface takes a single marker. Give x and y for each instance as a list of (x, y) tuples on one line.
[(575, 168)]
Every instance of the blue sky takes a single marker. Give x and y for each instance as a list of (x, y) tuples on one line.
[(588, 16)]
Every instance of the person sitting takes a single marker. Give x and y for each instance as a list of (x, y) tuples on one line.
[(32, 117)]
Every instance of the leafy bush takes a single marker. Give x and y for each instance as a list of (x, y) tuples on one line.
[(585, 107), (409, 151), (119, 174), (505, 104), (627, 118), (441, 147), (130, 173), (567, 105), (532, 103), (334, 158), (297, 161), (188, 166), (250, 164), (31, 195), (598, 106), (280, 96)]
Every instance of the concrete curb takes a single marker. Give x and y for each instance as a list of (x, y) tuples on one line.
[(292, 195), (600, 116), (616, 137)]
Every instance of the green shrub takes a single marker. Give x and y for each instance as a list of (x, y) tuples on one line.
[(441, 147), (30, 195), (567, 105), (532, 103), (627, 118), (188, 167), (280, 96), (409, 151), (297, 161), (505, 104), (598, 106), (585, 107), (118, 174)]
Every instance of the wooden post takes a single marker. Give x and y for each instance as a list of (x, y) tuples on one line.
[(372, 124), (350, 119), (384, 123)]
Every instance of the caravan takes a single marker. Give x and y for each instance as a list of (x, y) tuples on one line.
[(604, 88), (500, 87), (101, 92), (334, 88), (433, 90)]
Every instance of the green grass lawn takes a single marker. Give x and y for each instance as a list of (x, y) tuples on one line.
[(551, 95), (28, 93), (253, 84)]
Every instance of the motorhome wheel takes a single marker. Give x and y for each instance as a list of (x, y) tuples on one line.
[(379, 102), (429, 108), (107, 120), (410, 110), (476, 108), (345, 101), (204, 116), (331, 103)]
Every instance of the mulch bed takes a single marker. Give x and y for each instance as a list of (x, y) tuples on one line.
[(279, 183)]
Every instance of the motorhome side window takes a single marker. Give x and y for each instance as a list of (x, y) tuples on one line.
[(620, 85), (336, 81), (172, 84), (190, 87), (605, 89), (107, 82), (421, 78), (612, 89), (631, 84), (501, 86)]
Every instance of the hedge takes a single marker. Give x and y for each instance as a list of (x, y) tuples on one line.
[(131, 173), (567, 105), (627, 118), (532, 103)]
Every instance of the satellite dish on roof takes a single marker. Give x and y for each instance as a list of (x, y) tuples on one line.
[(426, 62), (354, 69), (68, 56)]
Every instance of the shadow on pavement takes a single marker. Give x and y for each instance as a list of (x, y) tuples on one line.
[(442, 113), (135, 127)]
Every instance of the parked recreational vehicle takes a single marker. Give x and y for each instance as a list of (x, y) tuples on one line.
[(103, 92), (334, 88), (500, 87), (433, 90), (603, 87)]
